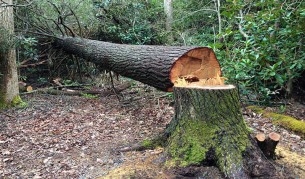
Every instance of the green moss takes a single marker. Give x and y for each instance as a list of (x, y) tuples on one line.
[(2, 105), (153, 143), (256, 109), (198, 138), (285, 121), (90, 96), (208, 127), (16, 102), (147, 143), (2, 100)]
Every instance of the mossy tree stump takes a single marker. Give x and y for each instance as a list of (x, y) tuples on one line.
[(208, 128)]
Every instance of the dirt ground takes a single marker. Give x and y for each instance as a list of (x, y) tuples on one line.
[(58, 136)]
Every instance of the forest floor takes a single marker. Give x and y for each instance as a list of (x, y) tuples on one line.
[(58, 136)]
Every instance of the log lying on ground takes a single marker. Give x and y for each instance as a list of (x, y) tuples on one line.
[(268, 144), (157, 66), (208, 128)]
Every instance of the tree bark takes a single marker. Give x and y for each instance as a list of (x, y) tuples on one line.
[(268, 144), (168, 9), (208, 128), (9, 91), (157, 66)]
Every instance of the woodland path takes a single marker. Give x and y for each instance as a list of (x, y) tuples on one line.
[(59, 136)]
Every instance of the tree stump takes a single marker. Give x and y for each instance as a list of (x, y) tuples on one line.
[(268, 144), (208, 128)]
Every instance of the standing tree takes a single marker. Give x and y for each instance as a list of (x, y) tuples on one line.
[(9, 92), (168, 9)]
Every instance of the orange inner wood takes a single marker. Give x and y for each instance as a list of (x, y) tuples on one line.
[(198, 67)]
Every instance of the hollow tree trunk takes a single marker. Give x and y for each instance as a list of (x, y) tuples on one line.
[(208, 128), (157, 66), (9, 91)]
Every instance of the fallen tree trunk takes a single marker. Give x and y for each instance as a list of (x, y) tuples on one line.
[(157, 66), (208, 128)]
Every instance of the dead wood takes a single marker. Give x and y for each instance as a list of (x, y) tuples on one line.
[(70, 92), (157, 66), (268, 144)]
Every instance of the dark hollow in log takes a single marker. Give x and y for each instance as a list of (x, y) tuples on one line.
[(157, 66), (208, 128)]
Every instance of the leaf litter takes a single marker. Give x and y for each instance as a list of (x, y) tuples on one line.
[(59, 136)]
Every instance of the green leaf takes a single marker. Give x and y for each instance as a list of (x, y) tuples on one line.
[(279, 79)]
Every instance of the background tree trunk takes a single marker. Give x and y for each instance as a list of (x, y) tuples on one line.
[(157, 66), (9, 92), (208, 128), (168, 9)]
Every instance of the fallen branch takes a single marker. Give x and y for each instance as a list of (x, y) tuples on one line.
[(69, 92), (33, 64)]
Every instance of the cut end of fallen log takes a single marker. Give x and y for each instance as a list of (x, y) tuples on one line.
[(23, 87), (29, 88), (159, 66), (198, 67)]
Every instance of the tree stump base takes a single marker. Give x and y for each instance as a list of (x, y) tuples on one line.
[(208, 129)]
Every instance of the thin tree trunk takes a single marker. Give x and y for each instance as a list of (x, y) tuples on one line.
[(217, 7), (157, 66), (9, 92), (168, 9)]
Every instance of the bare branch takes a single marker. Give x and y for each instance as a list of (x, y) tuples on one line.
[(78, 23), (240, 27), (38, 33)]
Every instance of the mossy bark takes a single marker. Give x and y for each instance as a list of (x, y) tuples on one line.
[(208, 129), (9, 91)]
